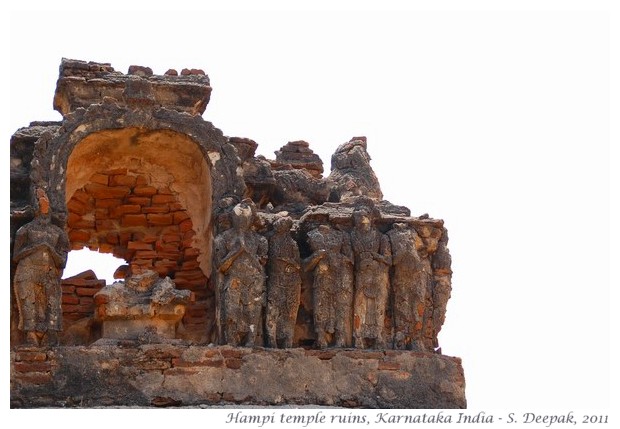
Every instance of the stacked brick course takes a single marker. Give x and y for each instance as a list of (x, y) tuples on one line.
[(119, 211)]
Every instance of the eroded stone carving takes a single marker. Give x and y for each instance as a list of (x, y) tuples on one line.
[(331, 263), (283, 285), (240, 255), (373, 258), (410, 285), (40, 252), (144, 306)]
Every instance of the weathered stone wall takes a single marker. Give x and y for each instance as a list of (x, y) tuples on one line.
[(174, 375)]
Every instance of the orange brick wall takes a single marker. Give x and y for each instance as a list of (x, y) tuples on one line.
[(121, 212)]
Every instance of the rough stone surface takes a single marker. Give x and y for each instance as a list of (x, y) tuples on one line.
[(143, 374), (82, 83)]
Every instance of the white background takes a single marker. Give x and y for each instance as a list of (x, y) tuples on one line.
[(494, 116)]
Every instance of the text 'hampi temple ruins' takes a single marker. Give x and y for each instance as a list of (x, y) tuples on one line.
[(247, 280)]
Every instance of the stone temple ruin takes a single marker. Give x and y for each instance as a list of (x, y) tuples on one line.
[(247, 280)]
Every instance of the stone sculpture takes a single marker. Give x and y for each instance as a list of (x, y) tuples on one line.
[(372, 263), (283, 285), (142, 304), (40, 252), (240, 255), (331, 263), (410, 283)]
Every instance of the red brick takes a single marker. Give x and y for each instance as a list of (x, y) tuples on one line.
[(83, 291), (101, 213), (141, 180), (171, 238), (134, 220), (160, 208), (101, 179), (105, 225), (72, 218), (102, 191), (163, 199), (159, 219), (233, 363), (87, 301), (142, 263), (35, 378), (107, 203), (172, 248), (180, 216), (144, 191), (141, 201), (124, 237), (120, 252), (84, 224), (388, 366), (146, 254), (66, 289), (81, 197), (106, 248), (69, 299), (111, 237), (77, 207), (115, 171), (176, 206), (186, 225), (30, 356), (79, 235), (122, 180), (32, 366), (126, 209), (138, 245), (145, 237), (190, 265), (172, 229), (216, 363), (173, 256), (85, 275)]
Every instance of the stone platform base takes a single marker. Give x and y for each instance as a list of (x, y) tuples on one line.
[(146, 375)]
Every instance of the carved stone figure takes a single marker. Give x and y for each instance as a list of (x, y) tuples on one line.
[(410, 283), (331, 263), (240, 256), (283, 285), (373, 258), (41, 254)]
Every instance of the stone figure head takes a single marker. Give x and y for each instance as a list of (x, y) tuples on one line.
[(362, 219), (242, 216), (43, 203)]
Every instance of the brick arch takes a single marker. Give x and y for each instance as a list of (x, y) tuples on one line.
[(141, 184)]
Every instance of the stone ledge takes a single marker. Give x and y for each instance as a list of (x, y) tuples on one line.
[(136, 375)]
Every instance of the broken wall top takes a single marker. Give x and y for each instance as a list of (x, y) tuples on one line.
[(81, 84)]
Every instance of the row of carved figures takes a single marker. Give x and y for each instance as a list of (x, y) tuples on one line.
[(353, 276)]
